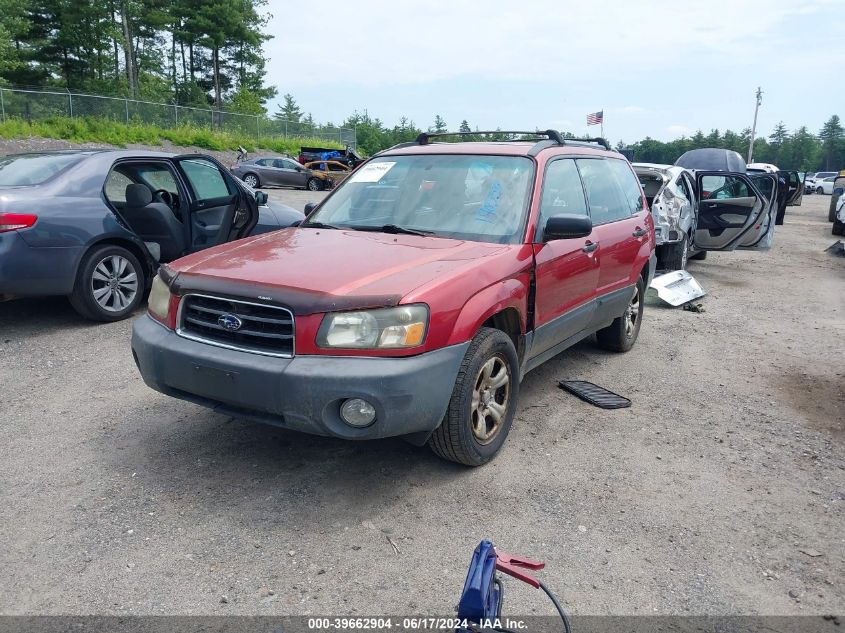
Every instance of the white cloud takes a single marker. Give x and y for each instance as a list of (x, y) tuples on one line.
[(375, 42)]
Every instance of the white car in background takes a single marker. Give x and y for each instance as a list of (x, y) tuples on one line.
[(813, 181), (669, 193), (765, 167), (824, 186)]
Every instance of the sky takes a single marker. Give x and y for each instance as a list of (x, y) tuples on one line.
[(662, 69)]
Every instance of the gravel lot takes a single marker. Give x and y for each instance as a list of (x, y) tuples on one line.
[(719, 491)]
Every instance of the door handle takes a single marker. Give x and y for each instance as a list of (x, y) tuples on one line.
[(589, 247), (639, 232)]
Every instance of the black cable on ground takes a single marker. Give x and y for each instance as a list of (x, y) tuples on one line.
[(566, 625), (501, 589)]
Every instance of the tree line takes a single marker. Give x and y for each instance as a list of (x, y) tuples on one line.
[(800, 149), (193, 52)]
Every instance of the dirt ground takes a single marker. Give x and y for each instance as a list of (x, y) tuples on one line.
[(719, 491)]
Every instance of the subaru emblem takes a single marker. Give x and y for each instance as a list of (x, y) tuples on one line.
[(230, 322)]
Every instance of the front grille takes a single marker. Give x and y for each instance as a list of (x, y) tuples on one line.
[(263, 329)]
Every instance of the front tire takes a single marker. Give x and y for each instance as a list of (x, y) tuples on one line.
[(110, 284), (838, 228), (252, 181), (621, 335), (314, 184), (819, 190), (483, 401), (699, 256)]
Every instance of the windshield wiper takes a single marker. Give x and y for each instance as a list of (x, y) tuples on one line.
[(320, 225), (392, 228)]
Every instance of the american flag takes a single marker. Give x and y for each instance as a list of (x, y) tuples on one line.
[(595, 118)]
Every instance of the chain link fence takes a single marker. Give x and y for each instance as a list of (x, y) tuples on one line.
[(34, 105)]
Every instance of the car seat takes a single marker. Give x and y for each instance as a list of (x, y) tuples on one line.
[(154, 222)]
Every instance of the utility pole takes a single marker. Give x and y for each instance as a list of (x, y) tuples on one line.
[(754, 126)]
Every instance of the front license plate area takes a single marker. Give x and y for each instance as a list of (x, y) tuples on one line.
[(214, 383)]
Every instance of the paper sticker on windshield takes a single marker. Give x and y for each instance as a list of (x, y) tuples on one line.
[(487, 211), (372, 172)]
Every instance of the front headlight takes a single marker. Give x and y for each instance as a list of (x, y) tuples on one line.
[(386, 328), (158, 303)]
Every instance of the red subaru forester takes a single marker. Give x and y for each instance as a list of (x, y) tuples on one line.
[(414, 298)]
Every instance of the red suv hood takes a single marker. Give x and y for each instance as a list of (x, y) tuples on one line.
[(346, 268)]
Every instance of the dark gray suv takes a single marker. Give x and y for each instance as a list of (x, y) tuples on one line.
[(95, 224)]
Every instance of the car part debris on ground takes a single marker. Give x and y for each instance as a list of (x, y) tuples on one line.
[(677, 287), (837, 248), (693, 307), (595, 395)]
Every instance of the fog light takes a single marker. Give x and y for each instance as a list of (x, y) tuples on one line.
[(358, 412)]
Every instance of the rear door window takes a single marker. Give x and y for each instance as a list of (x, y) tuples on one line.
[(605, 196), (628, 183)]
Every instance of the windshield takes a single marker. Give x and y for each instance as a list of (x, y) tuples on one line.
[(477, 198), (32, 169)]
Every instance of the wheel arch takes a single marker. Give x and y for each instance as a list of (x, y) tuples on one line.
[(510, 322), (138, 251), (501, 306)]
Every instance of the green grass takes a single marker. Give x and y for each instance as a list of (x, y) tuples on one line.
[(100, 130)]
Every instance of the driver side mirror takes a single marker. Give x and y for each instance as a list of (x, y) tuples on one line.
[(309, 207), (261, 197), (567, 226)]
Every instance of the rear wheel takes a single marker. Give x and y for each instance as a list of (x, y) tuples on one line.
[(621, 335), (675, 255), (315, 184), (483, 401), (110, 284), (251, 180)]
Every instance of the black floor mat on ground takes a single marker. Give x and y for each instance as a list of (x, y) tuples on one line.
[(594, 394)]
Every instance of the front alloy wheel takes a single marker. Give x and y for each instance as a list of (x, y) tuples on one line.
[(490, 399), (483, 401)]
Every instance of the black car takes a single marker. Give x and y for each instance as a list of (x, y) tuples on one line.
[(95, 224)]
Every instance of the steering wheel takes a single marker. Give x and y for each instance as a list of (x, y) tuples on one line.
[(168, 198)]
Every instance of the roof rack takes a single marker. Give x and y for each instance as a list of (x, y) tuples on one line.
[(549, 138)]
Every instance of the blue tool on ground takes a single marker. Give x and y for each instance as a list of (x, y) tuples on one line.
[(483, 594)]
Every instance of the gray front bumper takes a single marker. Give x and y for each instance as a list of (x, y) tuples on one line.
[(304, 393)]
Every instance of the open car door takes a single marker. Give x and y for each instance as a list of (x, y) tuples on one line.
[(796, 188), (732, 212), (220, 210)]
